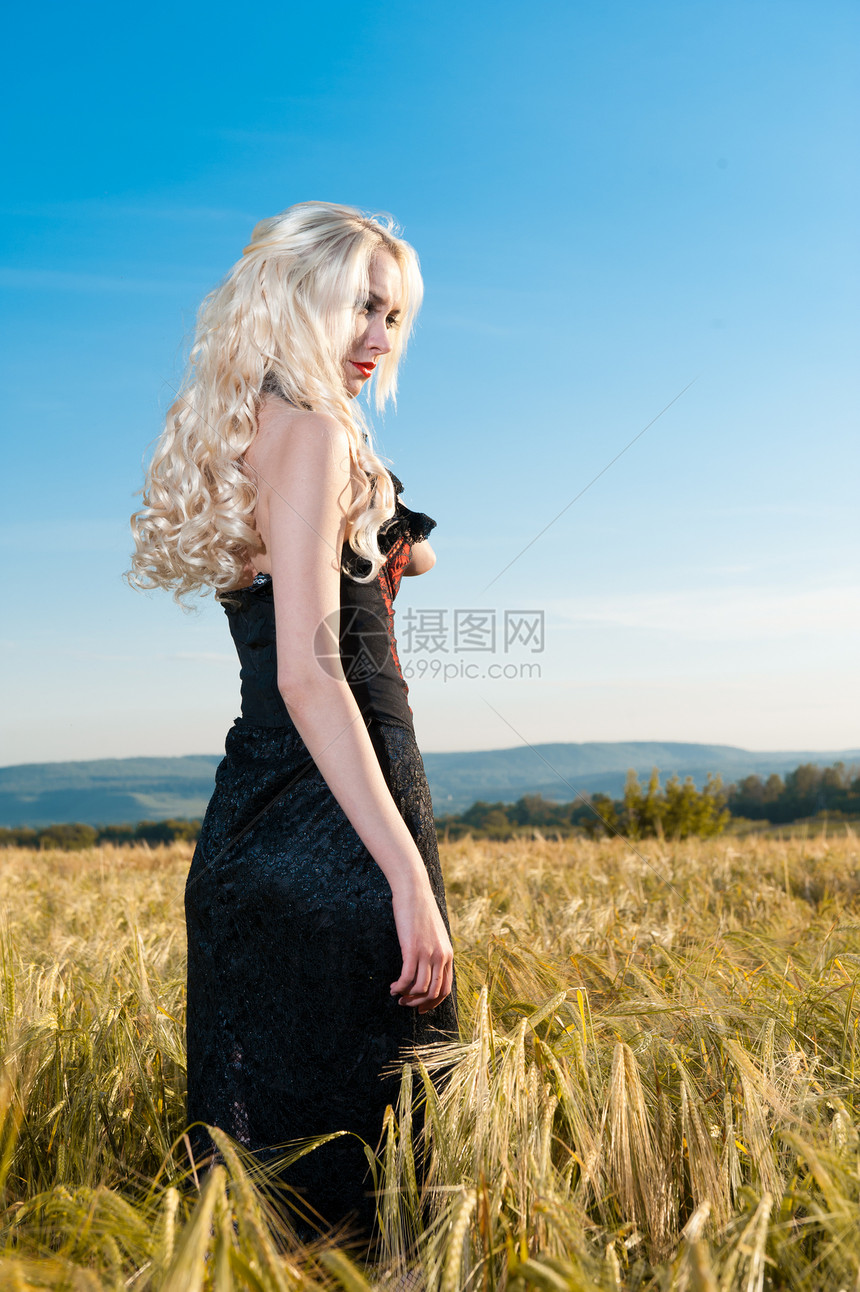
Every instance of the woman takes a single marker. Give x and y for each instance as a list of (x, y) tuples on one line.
[(318, 937)]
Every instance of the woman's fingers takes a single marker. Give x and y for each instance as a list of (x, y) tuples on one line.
[(423, 978), (415, 978), (448, 981), (407, 976), (434, 990), (418, 998), (437, 976)]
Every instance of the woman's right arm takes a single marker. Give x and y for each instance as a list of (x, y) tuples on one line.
[(304, 474)]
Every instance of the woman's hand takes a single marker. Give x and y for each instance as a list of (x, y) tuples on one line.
[(428, 958)]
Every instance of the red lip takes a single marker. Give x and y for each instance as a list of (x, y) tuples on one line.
[(364, 368)]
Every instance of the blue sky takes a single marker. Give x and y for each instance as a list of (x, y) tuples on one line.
[(610, 201)]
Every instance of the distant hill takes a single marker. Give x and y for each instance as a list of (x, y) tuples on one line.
[(558, 771), (108, 791), (114, 791)]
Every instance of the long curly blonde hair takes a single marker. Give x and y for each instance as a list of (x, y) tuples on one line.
[(283, 318)]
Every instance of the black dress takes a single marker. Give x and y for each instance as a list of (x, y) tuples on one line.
[(292, 944)]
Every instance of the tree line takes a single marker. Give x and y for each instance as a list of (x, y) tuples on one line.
[(75, 836), (674, 810), (805, 792)]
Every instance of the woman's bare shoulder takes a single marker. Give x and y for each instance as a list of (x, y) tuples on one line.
[(288, 436)]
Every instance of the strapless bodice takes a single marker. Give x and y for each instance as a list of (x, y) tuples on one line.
[(366, 643)]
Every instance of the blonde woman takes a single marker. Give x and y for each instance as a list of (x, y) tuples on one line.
[(318, 936)]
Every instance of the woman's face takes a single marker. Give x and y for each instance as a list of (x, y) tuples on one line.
[(376, 321)]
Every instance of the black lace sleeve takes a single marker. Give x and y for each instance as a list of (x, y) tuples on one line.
[(413, 525)]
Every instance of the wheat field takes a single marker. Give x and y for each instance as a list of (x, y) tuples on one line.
[(655, 1088)]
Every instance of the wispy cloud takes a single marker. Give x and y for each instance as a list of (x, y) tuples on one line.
[(111, 210), (276, 137), (728, 614), (201, 657), (481, 327), (70, 534), (66, 281)]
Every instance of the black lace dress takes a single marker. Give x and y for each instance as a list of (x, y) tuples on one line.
[(292, 944)]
